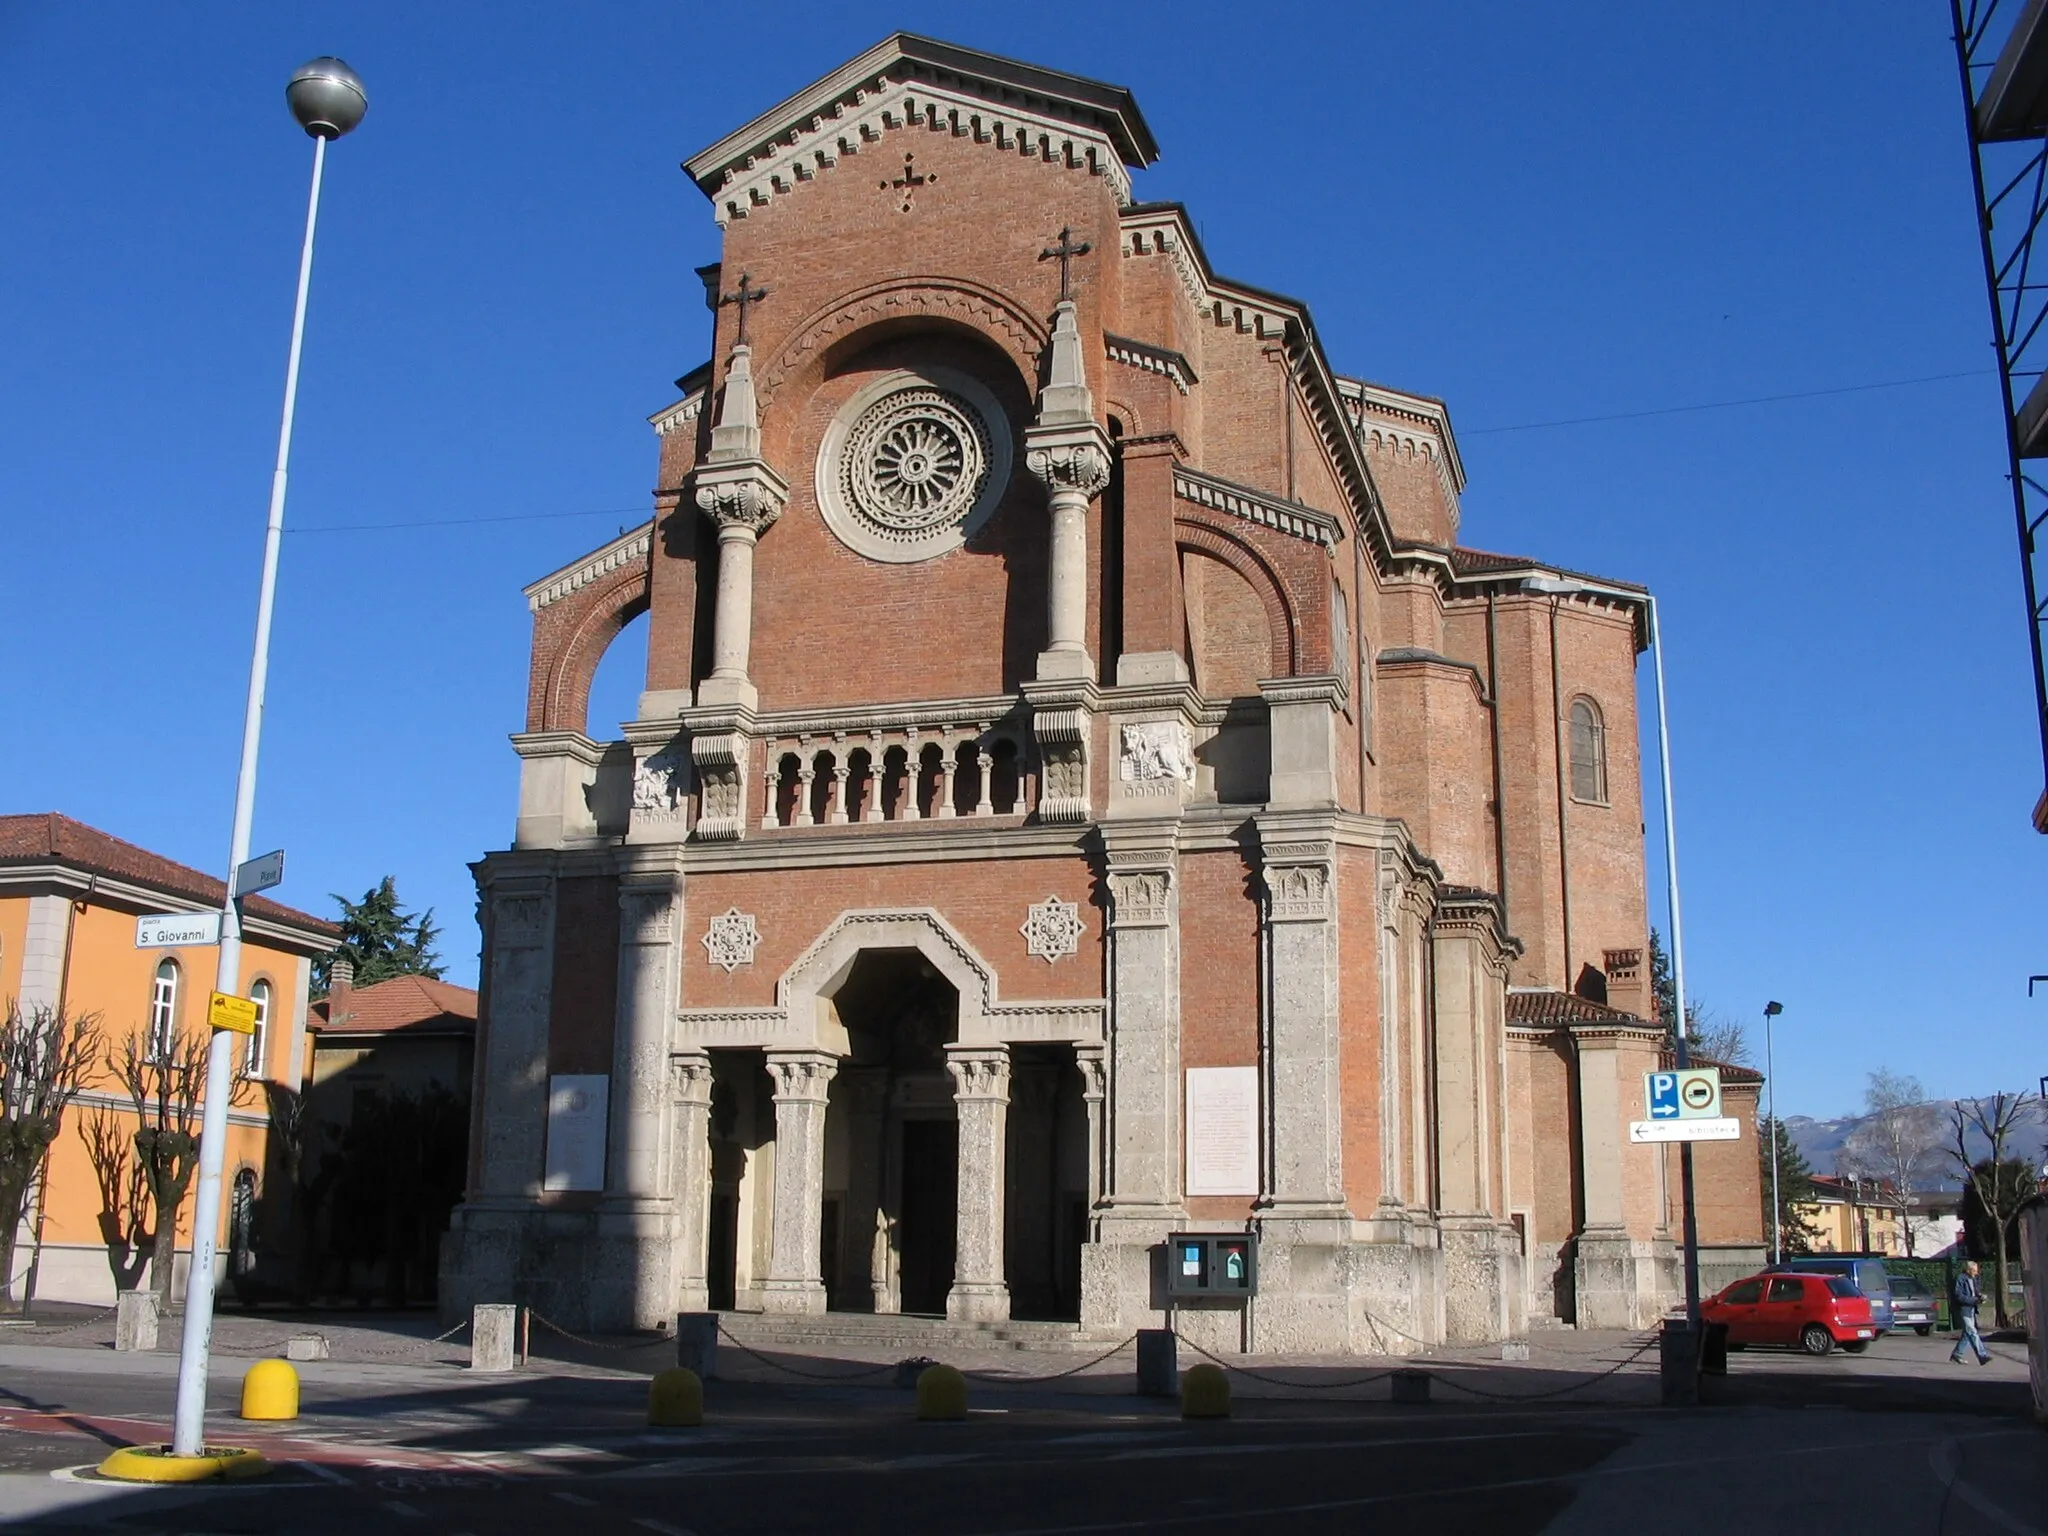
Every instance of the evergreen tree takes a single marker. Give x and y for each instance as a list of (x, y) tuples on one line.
[(382, 940), (1663, 985), (1795, 1188)]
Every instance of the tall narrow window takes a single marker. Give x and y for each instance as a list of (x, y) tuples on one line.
[(259, 1038), (163, 1010), (1589, 753)]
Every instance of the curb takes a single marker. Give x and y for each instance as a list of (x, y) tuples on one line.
[(156, 1464)]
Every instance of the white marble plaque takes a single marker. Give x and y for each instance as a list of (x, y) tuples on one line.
[(1223, 1131), (576, 1117)]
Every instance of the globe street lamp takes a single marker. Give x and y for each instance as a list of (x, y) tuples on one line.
[(1771, 1011), (328, 99)]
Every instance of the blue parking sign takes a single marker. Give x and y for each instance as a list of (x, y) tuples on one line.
[(1663, 1095)]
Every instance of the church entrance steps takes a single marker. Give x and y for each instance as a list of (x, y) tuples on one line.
[(913, 1335)]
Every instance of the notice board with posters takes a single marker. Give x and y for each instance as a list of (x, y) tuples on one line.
[(577, 1102), (1223, 1131)]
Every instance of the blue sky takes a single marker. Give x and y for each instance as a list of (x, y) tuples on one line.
[(1537, 212)]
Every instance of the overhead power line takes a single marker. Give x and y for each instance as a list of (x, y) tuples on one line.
[(464, 522), (1722, 405)]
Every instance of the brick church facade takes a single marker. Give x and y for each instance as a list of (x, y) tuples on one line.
[(1083, 792)]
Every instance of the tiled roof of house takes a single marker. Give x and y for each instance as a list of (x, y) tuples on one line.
[(1564, 1008), (411, 1003), (1730, 1072), (50, 838)]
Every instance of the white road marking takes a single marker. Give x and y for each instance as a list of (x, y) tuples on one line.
[(400, 1507), (666, 1530), (576, 1499), (318, 1470)]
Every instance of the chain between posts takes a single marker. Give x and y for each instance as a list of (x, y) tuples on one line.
[(1534, 1397), (1280, 1381), (777, 1365), (577, 1338), (46, 1331), (1055, 1375)]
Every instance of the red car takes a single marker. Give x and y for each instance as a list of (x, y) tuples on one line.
[(1809, 1312)]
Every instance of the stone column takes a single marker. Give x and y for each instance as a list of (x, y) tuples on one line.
[(690, 1084), (514, 1043), (1068, 451), (1143, 1164), (1303, 1029), (866, 1098), (801, 1079), (981, 1093), (1089, 1059), (743, 496)]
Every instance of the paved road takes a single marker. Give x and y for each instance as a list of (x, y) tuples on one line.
[(1897, 1439)]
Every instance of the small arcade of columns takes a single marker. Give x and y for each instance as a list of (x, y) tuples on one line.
[(910, 1173)]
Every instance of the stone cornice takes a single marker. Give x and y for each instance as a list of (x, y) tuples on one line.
[(684, 412), (60, 879), (1241, 501), (570, 744), (1421, 421), (632, 545), (857, 720), (1148, 358), (910, 81), (923, 842)]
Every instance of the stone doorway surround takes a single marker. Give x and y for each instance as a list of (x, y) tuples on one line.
[(805, 1044)]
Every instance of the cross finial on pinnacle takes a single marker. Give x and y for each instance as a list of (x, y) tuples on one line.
[(746, 295), (1064, 253)]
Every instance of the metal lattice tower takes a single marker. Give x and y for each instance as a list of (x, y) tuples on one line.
[(2002, 65)]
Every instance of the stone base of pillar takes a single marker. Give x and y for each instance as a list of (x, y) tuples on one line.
[(1623, 1282), (792, 1297), (581, 1270), (984, 1303), (1484, 1286)]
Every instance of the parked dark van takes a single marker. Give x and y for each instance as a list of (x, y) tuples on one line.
[(1865, 1271)]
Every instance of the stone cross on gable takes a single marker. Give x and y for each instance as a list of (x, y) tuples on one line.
[(746, 295), (1064, 253)]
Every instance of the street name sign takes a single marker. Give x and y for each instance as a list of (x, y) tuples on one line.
[(1694, 1094), (235, 1013), (1684, 1130), (177, 930), (260, 874)]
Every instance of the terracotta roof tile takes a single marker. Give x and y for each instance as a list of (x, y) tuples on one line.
[(49, 838), (1564, 1008), (403, 1002)]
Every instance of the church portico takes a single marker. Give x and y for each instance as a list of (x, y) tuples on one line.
[(1083, 792)]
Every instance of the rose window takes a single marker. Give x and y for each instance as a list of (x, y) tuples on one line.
[(913, 464)]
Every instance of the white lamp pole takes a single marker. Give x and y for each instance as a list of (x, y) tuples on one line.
[(328, 99)]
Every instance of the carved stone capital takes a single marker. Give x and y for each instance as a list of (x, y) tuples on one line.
[(803, 1076), (646, 914), (1074, 464), (1140, 896), (1298, 893), (979, 1073), (748, 496), (689, 1079)]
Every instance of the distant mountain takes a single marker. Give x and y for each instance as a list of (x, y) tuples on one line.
[(1821, 1140)]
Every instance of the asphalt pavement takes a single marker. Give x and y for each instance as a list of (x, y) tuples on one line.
[(1894, 1440)]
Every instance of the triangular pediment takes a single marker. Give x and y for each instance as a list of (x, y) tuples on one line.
[(917, 82)]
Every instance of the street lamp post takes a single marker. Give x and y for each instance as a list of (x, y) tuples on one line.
[(328, 99), (1558, 586), (1771, 1011)]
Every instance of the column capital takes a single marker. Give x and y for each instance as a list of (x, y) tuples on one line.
[(980, 1072), (1069, 460), (743, 499), (689, 1077), (801, 1076)]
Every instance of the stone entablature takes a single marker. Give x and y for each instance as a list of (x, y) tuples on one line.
[(627, 550)]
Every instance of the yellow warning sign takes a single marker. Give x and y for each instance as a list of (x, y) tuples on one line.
[(235, 1013)]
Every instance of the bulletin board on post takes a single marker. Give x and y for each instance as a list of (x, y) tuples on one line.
[(1212, 1264)]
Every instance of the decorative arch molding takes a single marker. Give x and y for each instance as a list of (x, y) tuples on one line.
[(800, 1019), (970, 304), (570, 638), (1265, 581)]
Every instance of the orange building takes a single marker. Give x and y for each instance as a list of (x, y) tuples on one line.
[(69, 898)]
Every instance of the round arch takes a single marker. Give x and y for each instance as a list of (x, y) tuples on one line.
[(570, 638), (1249, 564)]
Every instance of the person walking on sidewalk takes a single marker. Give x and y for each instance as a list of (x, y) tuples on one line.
[(1968, 1295)]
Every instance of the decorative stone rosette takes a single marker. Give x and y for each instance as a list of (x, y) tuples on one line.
[(913, 465)]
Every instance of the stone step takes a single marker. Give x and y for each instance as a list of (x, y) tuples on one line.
[(922, 1335)]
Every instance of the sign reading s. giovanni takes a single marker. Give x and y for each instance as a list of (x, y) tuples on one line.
[(1223, 1131), (176, 930)]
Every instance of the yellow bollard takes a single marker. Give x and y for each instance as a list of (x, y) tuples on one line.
[(1205, 1392), (675, 1399), (941, 1393), (270, 1391)]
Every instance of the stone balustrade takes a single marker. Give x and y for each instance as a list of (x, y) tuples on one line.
[(894, 771)]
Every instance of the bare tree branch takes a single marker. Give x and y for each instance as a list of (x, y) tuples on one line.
[(45, 1059)]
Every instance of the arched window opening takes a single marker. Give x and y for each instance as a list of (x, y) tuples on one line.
[(788, 789), (1589, 753), (863, 800), (163, 1010), (1004, 784), (967, 784), (616, 684), (822, 781), (899, 799), (929, 775), (259, 1037)]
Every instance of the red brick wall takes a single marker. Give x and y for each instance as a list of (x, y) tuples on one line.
[(1359, 1070), (584, 1006), (1219, 981)]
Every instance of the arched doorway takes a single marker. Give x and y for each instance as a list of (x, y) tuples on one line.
[(890, 1234)]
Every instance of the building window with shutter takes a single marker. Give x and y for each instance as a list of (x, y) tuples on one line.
[(259, 1037), (1589, 753), (163, 1011)]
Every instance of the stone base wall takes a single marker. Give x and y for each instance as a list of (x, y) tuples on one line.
[(1722, 1265), (1625, 1282), (581, 1270)]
